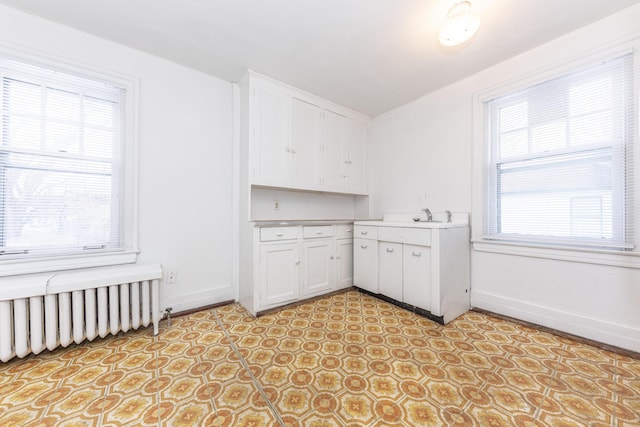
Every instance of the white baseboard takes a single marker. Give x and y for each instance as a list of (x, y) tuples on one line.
[(198, 299), (587, 327)]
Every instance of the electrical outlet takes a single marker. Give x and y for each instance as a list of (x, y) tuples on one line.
[(276, 205), (171, 277)]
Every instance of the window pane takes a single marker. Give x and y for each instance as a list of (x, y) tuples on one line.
[(561, 214), (62, 137), (51, 209), (514, 117), (514, 144), (98, 112), (24, 98), (592, 129), (62, 105), (591, 95), (556, 197), (98, 142), (548, 137), (24, 133)]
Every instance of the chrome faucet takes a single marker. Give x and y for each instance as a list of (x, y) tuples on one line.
[(429, 216), (448, 215)]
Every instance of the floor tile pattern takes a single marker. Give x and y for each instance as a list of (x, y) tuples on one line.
[(346, 360)]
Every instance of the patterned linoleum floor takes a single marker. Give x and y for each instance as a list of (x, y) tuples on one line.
[(345, 360)]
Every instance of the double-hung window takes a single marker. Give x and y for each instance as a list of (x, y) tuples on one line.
[(560, 161), (63, 174)]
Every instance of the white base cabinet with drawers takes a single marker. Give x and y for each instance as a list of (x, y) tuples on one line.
[(295, 262), (423, 269), (365, 258), (279, 273)]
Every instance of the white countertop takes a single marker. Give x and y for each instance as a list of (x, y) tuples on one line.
[(293, 223), (458, 219), (412, 224)]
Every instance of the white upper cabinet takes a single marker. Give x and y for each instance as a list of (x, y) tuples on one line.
[(303, 142), (355, 156), (333, 143), (305, 150), (271, 127)]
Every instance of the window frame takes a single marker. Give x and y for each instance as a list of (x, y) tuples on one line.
[(128, 251), (482, 158)]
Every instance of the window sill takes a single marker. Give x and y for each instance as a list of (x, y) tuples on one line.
[(585, 256), (62, 263)]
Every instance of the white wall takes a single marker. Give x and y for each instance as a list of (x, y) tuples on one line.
[(185, 152), (300, 205), (421, 156)]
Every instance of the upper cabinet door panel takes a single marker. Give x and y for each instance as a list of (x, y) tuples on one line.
[(357, 156), (334, 141), (306, 125), (271, 137)]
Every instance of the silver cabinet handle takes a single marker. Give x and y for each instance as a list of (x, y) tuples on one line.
[(298, 262), (331, 257), (318, 232), (416, 253), (364, 232), (348, 231), (389, 249), (364, 246), (279, 234)]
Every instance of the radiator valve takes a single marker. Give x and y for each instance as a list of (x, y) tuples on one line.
[(167, 314)]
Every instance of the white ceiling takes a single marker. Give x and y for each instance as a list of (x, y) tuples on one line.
[(370, 55)]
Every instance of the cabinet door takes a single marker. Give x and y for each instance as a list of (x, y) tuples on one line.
[(279, 274), (390, 269), (270, 144), (306, 135), (357, 156), (334, 143), (416, 264), (344, 263), (365, 264), (317, 266)]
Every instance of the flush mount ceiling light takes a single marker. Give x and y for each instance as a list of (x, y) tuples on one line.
[(460, 25)]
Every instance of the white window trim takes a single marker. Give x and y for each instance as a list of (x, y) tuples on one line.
[(129, 254), (481, 154)]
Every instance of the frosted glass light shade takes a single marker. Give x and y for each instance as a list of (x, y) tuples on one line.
[(460, 25)]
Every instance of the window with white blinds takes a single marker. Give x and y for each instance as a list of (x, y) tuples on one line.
[(561, 162), (62, 174)]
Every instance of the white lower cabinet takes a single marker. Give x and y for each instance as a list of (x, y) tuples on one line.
[(416, 278), (317, 263), (390, 269), (422, 268), (344, 263), (279, 273), (365, 264), (297, 262)]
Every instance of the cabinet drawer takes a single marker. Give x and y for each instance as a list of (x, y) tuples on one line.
[(413, 236), (268, 234), (366, 232), (344, 230), (311, 231)]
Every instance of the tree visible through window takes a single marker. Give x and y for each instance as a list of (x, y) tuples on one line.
[(560, 167)]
